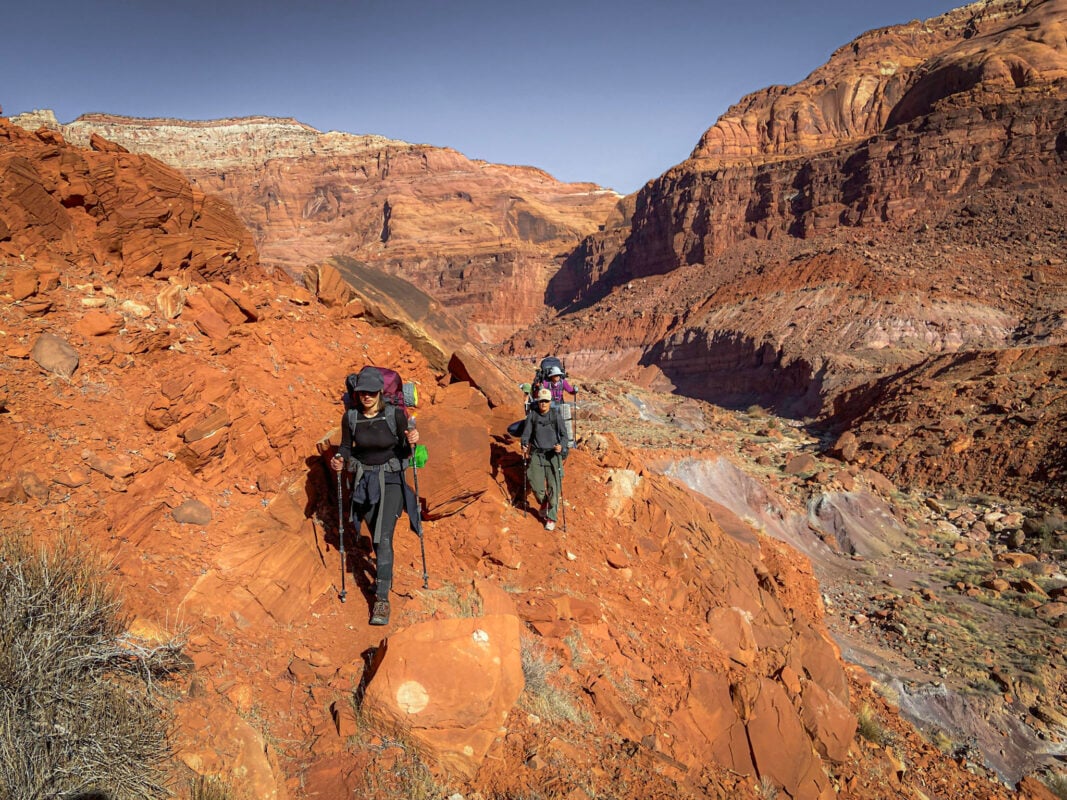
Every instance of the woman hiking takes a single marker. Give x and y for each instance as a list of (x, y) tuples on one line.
[(374, 448), (544, 443), (556, 383)]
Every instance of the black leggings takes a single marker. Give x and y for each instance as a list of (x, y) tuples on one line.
[(392, 505)]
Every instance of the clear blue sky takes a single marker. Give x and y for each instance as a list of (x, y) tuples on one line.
[(614, 92)]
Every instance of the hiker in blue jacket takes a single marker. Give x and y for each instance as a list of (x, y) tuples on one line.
[(374, 451), (544, 442)]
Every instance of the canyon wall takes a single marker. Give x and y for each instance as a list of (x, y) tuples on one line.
[(171, 406), (468, 231), (906, 199)]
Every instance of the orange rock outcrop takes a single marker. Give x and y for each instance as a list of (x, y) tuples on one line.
[(466, 230)]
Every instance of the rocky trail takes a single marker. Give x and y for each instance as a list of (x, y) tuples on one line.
[(955, 604)]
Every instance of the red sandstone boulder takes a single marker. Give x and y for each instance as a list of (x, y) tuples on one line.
[(54, 354), (458, 445), (212, 739), (451, 684), (99, 323), (471, 364), (326, 283), (271, 570)]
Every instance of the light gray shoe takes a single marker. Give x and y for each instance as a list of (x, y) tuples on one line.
[(550, 526)]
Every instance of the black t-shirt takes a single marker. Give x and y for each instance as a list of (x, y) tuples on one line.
[(374, 443)]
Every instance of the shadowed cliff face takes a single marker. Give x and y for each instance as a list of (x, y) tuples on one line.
[(467, 231)]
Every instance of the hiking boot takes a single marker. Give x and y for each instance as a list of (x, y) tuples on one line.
[(380, 616), (550, 526)]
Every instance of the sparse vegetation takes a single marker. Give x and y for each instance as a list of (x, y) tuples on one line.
[(579, 651), (395, 765), (942, 741), (767, 790), (870, 727), (465, 604), (1045, 534), (539, 696), (398, 770), (209, 787), (1057, 784), (80, 714)]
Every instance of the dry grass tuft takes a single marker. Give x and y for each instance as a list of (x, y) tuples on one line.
[(871, 728), (393, 764), (539, 696), (79, 711)]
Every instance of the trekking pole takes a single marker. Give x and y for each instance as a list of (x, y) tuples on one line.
[(524, 479), (562, 507), (574, 418), (418, 507), (341, 528)]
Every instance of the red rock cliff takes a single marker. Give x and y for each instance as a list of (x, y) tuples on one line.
[(466, 230), (895, 204)]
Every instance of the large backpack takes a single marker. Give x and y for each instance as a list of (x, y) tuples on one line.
[(396, 393), (544, 369)]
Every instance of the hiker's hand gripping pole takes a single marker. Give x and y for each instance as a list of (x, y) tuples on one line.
[(418, 507)]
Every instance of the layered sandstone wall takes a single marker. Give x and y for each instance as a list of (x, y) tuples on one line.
[(982, 109), (113, 211), (781, 265), (851, 97), (468, 231)]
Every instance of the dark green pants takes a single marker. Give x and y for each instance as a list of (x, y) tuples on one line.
[(543, 473)]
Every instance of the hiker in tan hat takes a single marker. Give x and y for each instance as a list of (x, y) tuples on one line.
[(544, 443)]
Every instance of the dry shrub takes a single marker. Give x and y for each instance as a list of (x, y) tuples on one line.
[(210, 787), (539, 696), (870, 727), (79, 714), (1057, 784), (392, 765)]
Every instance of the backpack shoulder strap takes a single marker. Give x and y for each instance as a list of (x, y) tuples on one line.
[(354, 418), (391, 412)]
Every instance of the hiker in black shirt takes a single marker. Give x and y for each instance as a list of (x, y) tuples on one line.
[(544, 441), (374, 451)]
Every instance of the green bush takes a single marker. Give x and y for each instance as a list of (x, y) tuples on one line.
[(79, 714)]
